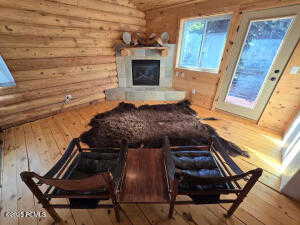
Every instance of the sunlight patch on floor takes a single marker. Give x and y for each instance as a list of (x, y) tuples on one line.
[(277, 141), (268, 160)]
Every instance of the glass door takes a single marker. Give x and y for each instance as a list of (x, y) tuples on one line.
[(263, 46)]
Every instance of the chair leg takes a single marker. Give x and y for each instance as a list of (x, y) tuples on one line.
[(233, 207), (117, 213), (171, 210), (173, 197), (172, 205), (251, 182), (52, 213), (26, 177)]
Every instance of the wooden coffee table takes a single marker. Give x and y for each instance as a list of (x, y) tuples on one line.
[(144, 180)]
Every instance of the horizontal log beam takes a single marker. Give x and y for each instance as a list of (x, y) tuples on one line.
[(126, 3), (49, 42), (14, 28), (46, 83), (61, 72), (70, 10), (36, 53), (52, 99), (46, 111), (38, 18), (33, 64), (108, 7), (16, 98)]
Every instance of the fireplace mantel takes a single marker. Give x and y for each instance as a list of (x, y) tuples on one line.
[(129, 50)]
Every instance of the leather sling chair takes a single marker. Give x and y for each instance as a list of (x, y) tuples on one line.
[(85, 176), (205, 174)]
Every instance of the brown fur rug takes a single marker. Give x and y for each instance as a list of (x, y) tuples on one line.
[(148, 124)]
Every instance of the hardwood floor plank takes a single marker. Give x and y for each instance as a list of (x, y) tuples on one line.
[(2, 146), (69, 216), (25, 199), (101, 215), (9, 181), (204, 214), (41, 159), (158, 215), (245, 216), (218, 211), (135, 214), (267, 178), (278, 201), (80, 216), (124, 218), (57, 134), (264, 211)]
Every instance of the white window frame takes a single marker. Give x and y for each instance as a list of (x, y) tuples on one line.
[(5, 72), (180, 37)]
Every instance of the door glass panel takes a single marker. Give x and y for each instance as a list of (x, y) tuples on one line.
[(259, 50)]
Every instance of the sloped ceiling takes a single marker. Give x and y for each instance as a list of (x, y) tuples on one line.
[(146, 5)]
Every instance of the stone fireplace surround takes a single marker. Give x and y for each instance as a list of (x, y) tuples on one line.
[(130, 92)]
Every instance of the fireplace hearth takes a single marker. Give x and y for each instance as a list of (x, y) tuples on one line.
[(145, 72)]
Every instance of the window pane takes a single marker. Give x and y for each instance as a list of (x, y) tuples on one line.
[(6, 78), (213, 44), (203, 42), (191, 43), (258, 53)]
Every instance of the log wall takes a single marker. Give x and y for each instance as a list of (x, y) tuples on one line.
[(206, 84), (60, 47)]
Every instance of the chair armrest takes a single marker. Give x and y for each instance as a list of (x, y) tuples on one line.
[(168, 163), (86, 184), (229, 161), (121, 167)]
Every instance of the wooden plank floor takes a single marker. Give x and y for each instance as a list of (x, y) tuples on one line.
[(36, 146)]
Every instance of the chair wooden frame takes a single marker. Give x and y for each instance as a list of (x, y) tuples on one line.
[(229, 169), (52, 179)]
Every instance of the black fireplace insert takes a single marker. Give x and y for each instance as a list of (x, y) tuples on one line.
[(145, 72)]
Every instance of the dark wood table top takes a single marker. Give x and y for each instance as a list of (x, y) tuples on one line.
[(145, 177)]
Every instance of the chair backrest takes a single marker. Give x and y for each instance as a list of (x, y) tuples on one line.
[(96, 182)]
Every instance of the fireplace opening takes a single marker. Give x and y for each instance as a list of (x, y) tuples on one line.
[(145, 72)]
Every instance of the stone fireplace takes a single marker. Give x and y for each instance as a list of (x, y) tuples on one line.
[(145, 73)]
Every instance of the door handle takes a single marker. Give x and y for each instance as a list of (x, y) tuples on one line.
[(272, 78)]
